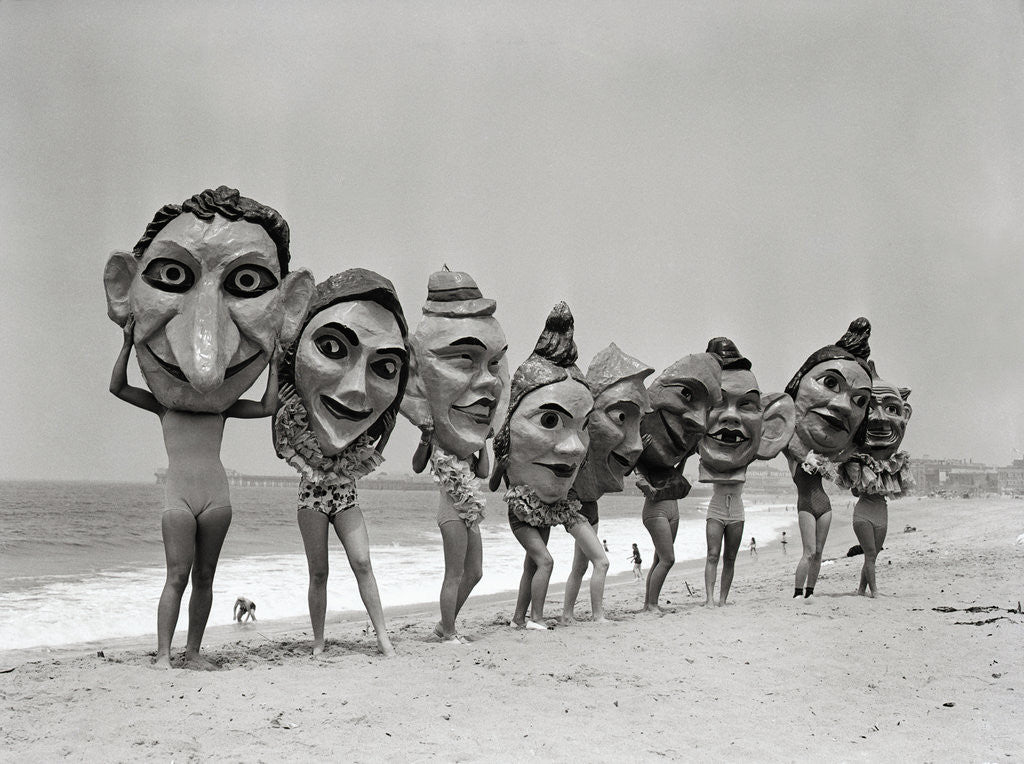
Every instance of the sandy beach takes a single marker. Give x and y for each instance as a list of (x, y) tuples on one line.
[(768, 678)]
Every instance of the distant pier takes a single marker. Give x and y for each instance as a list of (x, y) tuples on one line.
[(382, 483)]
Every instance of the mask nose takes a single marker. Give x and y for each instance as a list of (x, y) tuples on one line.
[(351, 388), (633, 446), (203, 337), (572, 446)]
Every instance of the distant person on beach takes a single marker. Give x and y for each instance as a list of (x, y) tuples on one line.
[(681, 398), (205, 297), (617, 382), (459, 374), (831, 391), (753, 547), (743, 426), (784, 542), (538, 452), (244, 607), (604, 543), (637, 561), (879, 472), (342, 384)]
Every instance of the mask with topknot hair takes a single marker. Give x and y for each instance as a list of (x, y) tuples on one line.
[(543, 439), (831, 391)]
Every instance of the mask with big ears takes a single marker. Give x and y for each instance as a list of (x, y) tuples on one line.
[(746, 424), (209, 287)]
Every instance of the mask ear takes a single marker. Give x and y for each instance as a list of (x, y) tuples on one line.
[(117, 281), (296, 292), (907, 411), (414, 403), (779, 423)]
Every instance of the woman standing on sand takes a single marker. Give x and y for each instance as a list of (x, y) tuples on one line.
[(878, 473), (538, 452), (342, 384), (831, 391), (205, 297)]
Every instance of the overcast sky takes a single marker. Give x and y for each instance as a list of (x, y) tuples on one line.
[(674, 171)]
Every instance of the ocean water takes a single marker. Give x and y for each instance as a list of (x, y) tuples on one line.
[(84, 561)]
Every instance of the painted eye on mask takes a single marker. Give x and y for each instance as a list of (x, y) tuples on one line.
[(249, 281), (549, 420), (831, 381), (169, 275), (860, 401), (386, 369), (330, 345), (893, 410)]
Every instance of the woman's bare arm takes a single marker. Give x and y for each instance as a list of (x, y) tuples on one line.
[(268, 403), (119, 386)]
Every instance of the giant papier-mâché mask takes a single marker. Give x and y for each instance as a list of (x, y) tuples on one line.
[(349, 364), (544, 439), (831, 392), (459, 368), (617, 381), (681, 398), (745, 424), (888, 415), (209, 287)]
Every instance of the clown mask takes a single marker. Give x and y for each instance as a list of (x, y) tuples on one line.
[(548, 438), (888, 414), (209, 305), (348, 362)]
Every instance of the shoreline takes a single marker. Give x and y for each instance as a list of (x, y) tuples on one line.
[(910, 675)]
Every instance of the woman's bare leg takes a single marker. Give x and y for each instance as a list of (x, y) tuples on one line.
[(211, 528), (472, 568), (733, 539), (523, 596), (313, 527), (714, 531), (588, 542), (573, 584), (663, 534), (536, 548), (821, 527), (178, 527), (351, 529), (455, 537)]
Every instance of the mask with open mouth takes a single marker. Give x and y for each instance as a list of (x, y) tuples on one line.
[(681, 398), (617, 381), (460, 371), (888, 415), (745, 424), (211, 294), (544, 438), (350, 363)]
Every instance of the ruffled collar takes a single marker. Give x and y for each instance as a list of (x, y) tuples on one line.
[(816, 464), (868, 476), (295, 442), (530, 508), (456, 479)]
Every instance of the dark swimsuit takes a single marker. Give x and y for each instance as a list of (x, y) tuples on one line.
[(589, 511), (810, 496)]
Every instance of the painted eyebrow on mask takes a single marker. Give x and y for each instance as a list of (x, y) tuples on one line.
[(400, 352), (554, 407), (466, 341), (347, 333)]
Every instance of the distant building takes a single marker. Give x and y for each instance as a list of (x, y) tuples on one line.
[(956, 477), (1011, 479), (382, 482)]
